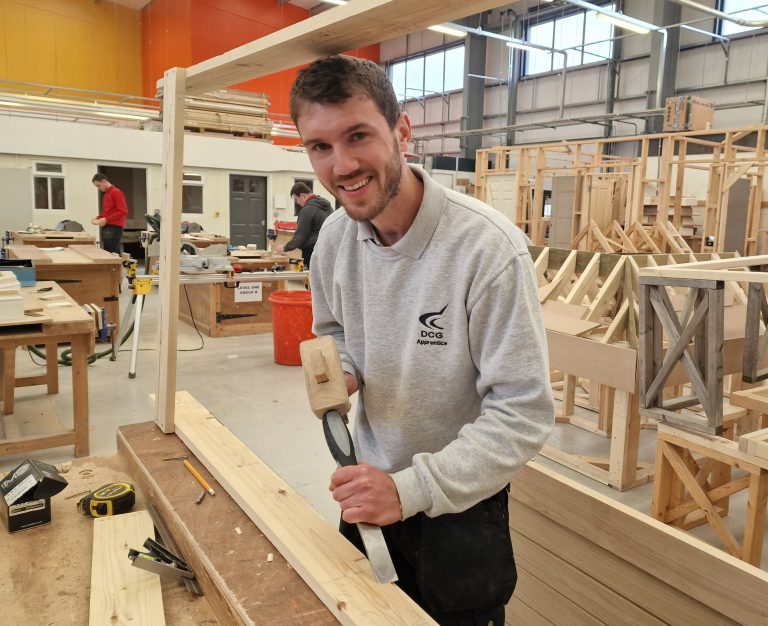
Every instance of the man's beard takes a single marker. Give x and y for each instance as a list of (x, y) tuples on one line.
[(393, 175)]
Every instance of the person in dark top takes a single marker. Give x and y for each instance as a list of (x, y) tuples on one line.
[(312, 214), (114, 212)]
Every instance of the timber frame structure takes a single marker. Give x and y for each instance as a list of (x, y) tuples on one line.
[(616, 197), (590, 303), (697, 340)]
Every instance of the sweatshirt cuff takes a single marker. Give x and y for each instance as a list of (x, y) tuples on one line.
[(413, 497), (349, 367)]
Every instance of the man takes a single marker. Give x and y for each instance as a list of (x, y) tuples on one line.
[(312, 213), (114, 212), (431, 297)]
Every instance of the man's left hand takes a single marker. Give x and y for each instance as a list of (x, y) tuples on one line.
[(366, 494), (280, 248), (99, 221)]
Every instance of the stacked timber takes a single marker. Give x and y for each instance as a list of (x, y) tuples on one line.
[(229, 111)]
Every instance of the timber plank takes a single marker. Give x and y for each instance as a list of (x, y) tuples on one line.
[(354, 25), (518, 612), (601, 602), (335, 570), (240, 584), (729, 585), (607, 570), (121, 593)]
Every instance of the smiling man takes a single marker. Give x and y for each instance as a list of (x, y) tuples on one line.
[(431, 297)]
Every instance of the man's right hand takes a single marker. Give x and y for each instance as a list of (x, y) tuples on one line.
[(351, 383)]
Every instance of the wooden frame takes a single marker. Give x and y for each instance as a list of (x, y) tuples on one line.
[(710, 357), (708, 486), (652, 201), (704, 368)]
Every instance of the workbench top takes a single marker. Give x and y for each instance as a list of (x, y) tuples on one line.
[(47, 570), (71, 255)]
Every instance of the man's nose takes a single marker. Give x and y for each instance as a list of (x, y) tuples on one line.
[(345, 161)]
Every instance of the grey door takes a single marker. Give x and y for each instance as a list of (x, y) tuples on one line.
[(248, 210)]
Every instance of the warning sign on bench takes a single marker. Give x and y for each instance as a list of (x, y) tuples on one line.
[(248, 292)]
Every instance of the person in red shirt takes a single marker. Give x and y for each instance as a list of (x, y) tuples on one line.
[(114, 212)]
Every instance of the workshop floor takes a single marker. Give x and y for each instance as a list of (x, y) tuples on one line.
[(262, 403)]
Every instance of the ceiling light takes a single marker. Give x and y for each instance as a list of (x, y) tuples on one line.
[(125, 116), (622, 23), (447, 30), (522, 46), (5, 103), (336, 2)]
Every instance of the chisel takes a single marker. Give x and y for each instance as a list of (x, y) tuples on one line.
[(329, 401)]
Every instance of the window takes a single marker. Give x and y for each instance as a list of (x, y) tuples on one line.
[(192, 193), (584, 37), (743, 10), (49, 186), (429, 73)]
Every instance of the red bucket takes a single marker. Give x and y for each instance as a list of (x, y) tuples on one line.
[(291, 324)]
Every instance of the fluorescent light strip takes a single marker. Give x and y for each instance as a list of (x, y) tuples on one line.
[(123, 116), (5, 103), (622, 23), (447, 30), (336, 2)]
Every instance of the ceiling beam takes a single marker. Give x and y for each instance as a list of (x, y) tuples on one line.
[(354, 25)]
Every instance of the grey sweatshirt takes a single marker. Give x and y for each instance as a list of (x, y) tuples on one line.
[(444, 332)]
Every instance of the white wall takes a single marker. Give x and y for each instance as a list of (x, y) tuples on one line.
[(82, 147)]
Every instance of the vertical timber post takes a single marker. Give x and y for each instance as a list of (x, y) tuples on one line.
[(170, 242)]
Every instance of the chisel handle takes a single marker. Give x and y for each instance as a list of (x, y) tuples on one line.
[(324, 377), (338, 439)]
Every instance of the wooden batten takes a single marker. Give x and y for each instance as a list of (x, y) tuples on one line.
[(170, 244)]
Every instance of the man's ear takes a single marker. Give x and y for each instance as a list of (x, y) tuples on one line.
[(403, 132)]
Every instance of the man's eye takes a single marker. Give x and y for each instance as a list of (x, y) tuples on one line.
[(358, 136), (320, 147)]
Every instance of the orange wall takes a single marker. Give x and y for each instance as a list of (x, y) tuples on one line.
[(71, 43), (184, 32), (165, 40)]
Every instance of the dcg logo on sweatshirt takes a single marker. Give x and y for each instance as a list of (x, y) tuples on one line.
[(433, 335)]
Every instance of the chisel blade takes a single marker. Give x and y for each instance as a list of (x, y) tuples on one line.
[(378, 553)]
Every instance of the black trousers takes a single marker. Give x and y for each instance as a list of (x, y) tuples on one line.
[(110, 238), (306, 255), (459, 567)]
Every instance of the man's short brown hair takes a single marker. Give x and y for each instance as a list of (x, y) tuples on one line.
[(335, 79), (300, 188)]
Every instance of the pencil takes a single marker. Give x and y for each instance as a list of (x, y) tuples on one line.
[(200, 479)]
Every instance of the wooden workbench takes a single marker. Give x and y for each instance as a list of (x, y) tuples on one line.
[(211, 304), (52, 326), (47, 569), (87, 273), (228, 552), (52, 239)]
